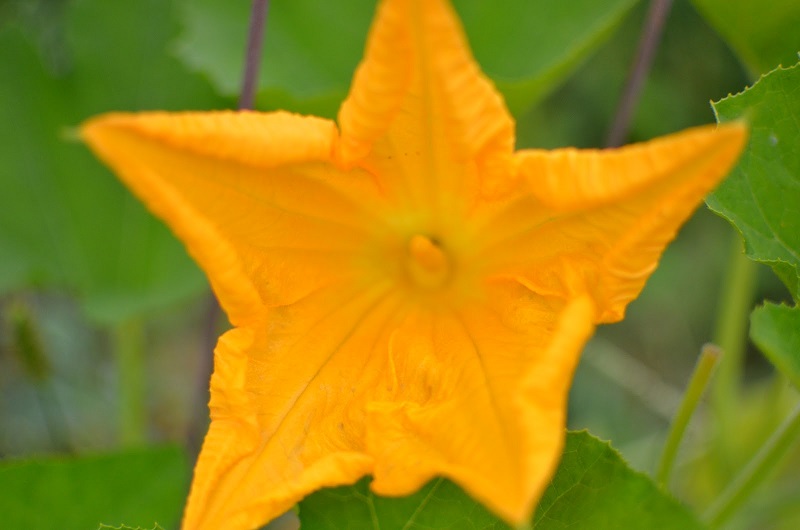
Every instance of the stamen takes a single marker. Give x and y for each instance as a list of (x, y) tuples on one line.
[(428, 264)]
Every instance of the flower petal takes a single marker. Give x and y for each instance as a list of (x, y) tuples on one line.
[(287, 406), (251, 194), (598, 221), (419, 99), (479, 396)]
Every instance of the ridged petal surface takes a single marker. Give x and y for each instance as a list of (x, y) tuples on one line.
[(253, 196), (605, 217)]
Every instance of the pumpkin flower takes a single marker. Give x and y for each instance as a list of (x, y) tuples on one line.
[(409, 296)]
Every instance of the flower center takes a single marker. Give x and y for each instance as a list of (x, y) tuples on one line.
[(427, 264)]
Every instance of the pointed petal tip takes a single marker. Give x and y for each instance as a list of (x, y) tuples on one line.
[(89, 128), (570, 179), (723, 143), (124, 120), (416, 50), (262, 139)]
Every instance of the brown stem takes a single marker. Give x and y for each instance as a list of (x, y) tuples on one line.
[(255, 38), (648, 42)]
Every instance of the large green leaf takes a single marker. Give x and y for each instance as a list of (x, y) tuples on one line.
[(593, 489), (763, 34), (311, 48), (762, 195), (440, 504), (64, 219), (138, 488), (776, 331)]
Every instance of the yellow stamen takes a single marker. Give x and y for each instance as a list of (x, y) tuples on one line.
[(428, 265)]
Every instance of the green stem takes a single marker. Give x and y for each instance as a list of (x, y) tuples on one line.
[(709, 356), (129, 350), (743, 485), (731, 334)]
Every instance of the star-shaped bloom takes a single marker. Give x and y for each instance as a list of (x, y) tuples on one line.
[(409, 295)]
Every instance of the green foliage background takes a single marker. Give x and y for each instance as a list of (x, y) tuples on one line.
[(103, 315)]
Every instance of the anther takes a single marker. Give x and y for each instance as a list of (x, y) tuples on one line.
[(428, 264)]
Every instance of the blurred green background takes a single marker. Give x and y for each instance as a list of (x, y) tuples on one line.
[(107, 326)]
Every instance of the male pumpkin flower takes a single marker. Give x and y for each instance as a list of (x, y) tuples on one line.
[(409, 296)]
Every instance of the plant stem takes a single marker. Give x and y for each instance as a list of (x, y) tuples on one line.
[(255, 39), (128, 339), (731, 334), (709, 356), (743, 485), (648, 42)]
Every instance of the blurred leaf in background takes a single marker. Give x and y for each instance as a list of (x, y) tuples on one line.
[(65, 222), (776, 330), (309, 59), (764, 34), (135, 488)]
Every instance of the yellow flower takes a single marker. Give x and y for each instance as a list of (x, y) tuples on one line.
[(409, 296)]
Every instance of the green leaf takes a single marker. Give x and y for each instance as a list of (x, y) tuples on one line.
[(761, 197), (65, 221), (762, 35), (776, 331), (439, 504), (312, 48), (138, 488), (593, 489), (529, 46)]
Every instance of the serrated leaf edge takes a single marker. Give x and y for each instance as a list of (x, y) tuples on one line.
[(730, 95)]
